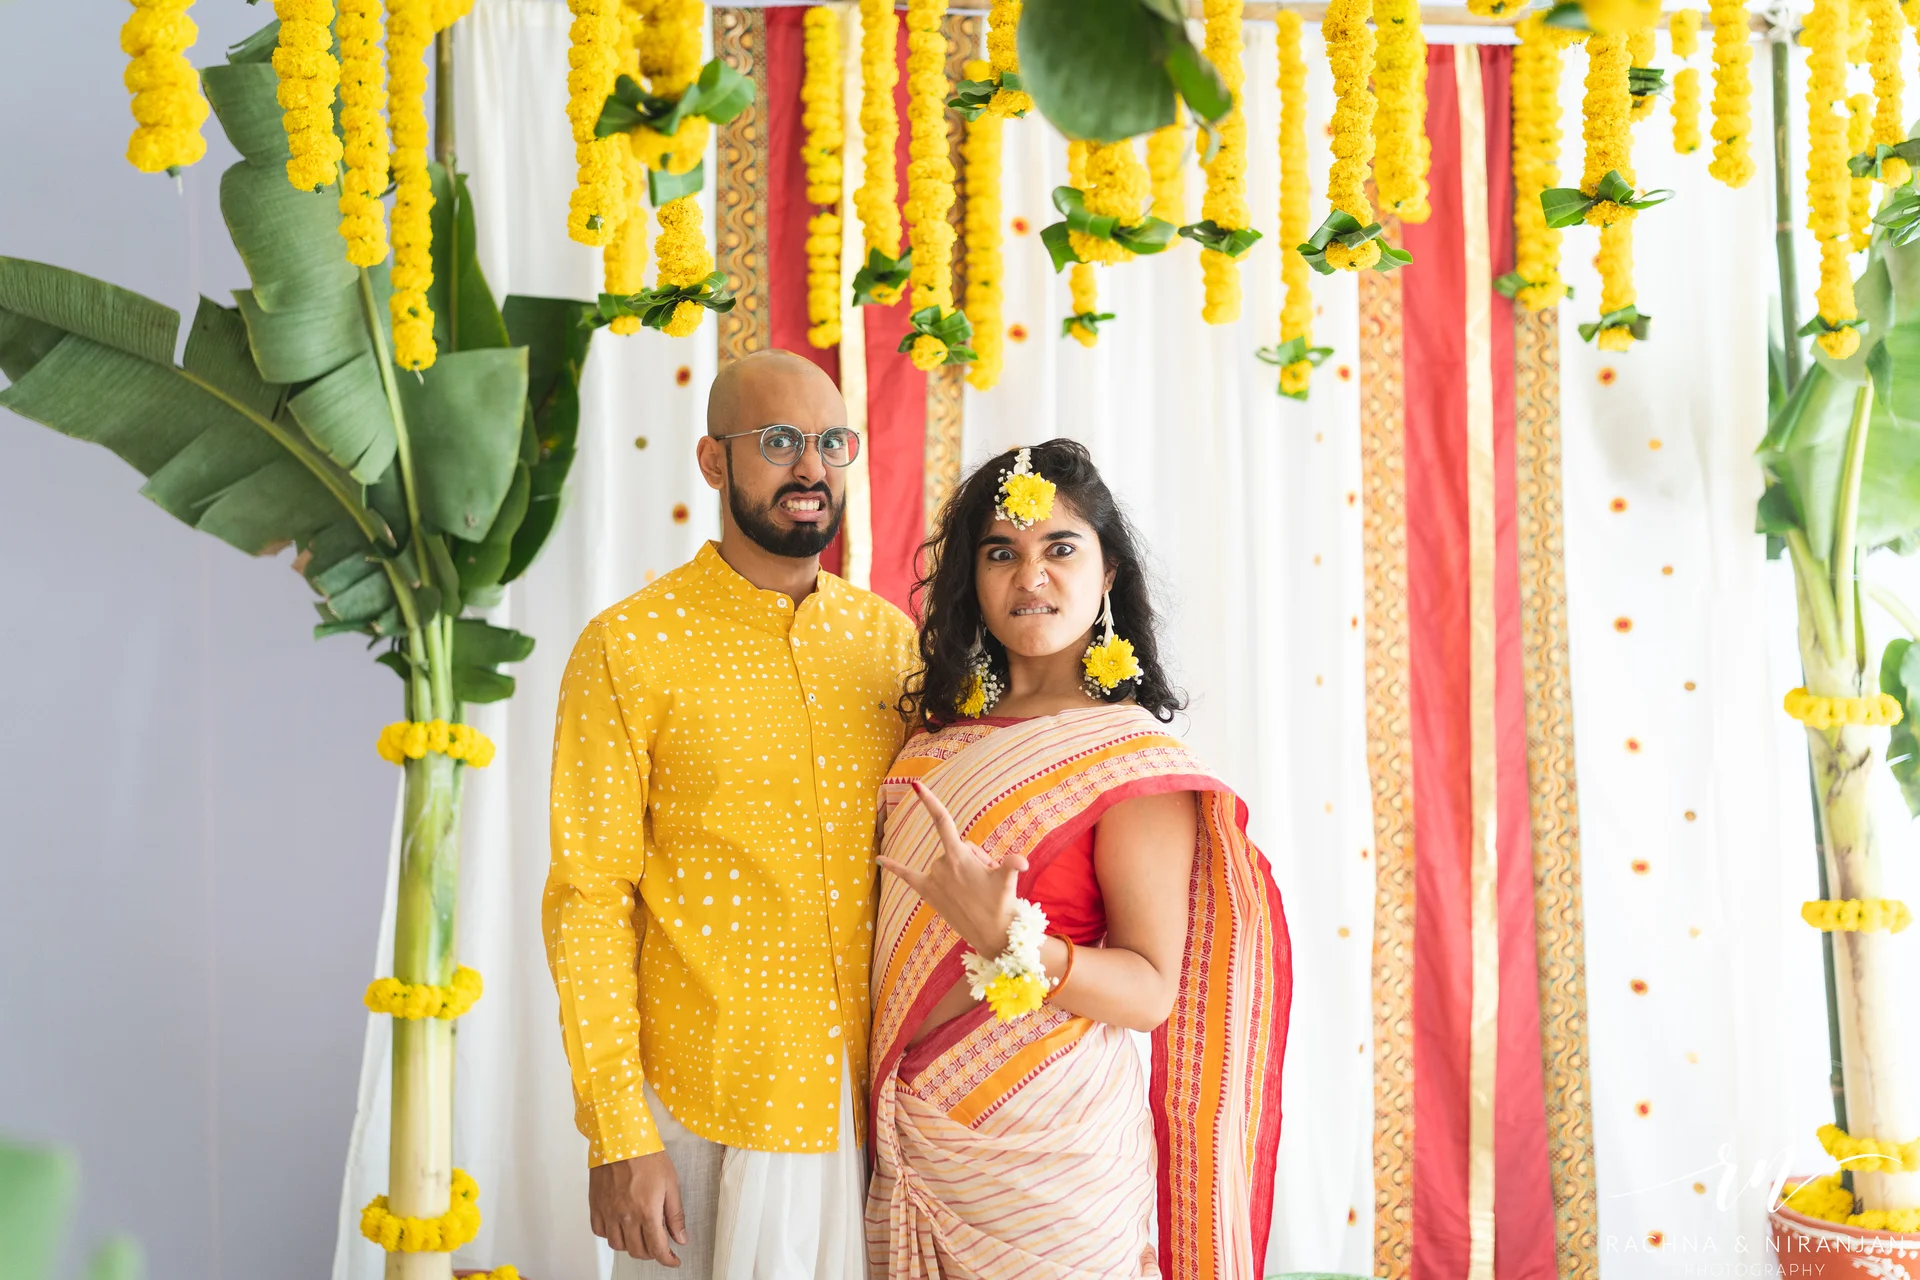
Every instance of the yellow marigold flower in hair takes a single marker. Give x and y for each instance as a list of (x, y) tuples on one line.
[(409, 32), (1829, 185), (874, 201), (1889, 124), (1350, 48), (308, 74), (593, 60), (168, 107), (1225, 200), (1003, 56), (980, 154), (1401, 149), (1085, 292), (363, 92), (821, 110), (1732, 93), (930, 193), (1296, 312)]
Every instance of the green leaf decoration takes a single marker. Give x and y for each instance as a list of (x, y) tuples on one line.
[(1211, 235), (257, 47), (479, 649), (720, 94), (1344, 228), (970, 98), (954, 329), (463, 417), (663, 186), (1059, 245), (1820, 324), (1148, 236), (1293, 351), (1509, 285), (1867, 163), (881, 272), (1900, 215), (552, 331), (241, 95), (346, 414), (1645, 82), (1104, 70), (1631, 317), (1567, 206), (656, 306), (1072, 202), (464, 315), (1900, 677), (1088, 320)]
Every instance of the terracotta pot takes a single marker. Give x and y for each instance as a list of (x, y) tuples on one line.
[(1811, 1249)]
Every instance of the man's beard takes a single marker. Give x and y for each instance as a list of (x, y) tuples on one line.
[(802, 541)]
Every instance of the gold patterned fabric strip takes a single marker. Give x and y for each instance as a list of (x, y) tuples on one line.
[(1559, 936), (1389, 761), (946, 396), (740, 188)]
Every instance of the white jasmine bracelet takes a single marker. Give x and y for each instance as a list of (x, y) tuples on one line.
[(1013, 982)]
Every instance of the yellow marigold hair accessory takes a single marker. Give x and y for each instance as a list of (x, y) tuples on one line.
[(1109, 662), (452, 1229), (1013, 983), (1817, 712), (1026, 497), (1869, 1155), (405, 740), (415, 1000), (1857, 915)]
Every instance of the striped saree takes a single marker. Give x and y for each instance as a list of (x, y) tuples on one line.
[(1040, 1147)]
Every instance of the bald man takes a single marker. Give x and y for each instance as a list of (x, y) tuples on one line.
[(719, 746)]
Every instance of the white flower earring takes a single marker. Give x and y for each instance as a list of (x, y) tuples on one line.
[(983, 688)]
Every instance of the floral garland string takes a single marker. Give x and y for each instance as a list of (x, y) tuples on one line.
[(1640, 47), (1536, 281), (444, 1234), (1003, 58), (1166, 174), (1860, 186), (1683, 31), (880, 281), (1889, 123), (1225, 202), (1350, 46), (1401, 148), (308, 75), (1732, 93), (593, 212), (669, 49), (623, 259), (363, 92), (1083, 324), (1829, 185), (409, 32), (168, 107), (1296, 354), (820, 91), (1607, 107), (416, 1000), (980, 153), (934, 339)]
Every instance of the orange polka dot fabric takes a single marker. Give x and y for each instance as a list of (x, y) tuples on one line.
[(709, 906)]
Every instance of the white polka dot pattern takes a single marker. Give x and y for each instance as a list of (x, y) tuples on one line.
[(720, 752)]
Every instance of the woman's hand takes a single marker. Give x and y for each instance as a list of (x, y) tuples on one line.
[(975, 899)]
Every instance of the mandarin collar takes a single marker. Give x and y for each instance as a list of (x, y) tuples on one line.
[(770, 611)]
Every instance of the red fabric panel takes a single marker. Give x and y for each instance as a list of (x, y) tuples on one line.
[(1523, 1188), (1434, 346), (787, 207), (896, 441)]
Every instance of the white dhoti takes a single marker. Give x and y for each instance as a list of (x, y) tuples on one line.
[(763, 1215)]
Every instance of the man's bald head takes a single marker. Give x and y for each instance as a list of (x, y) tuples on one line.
[(773, 386)]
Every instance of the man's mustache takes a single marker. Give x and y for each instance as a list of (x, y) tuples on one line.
[(820, 488)]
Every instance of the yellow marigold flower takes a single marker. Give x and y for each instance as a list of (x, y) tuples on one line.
[(1883, 55), (1111, 662), (624, 259), (1852, 915), (1296, 313), (1860, 190), (1003, 55), (1401, 149), (1166, 148), (930, 192), (980, 154), (820, 90), (1686, 110), (444, 13), (1869, 1155), (928, 353), (823, 279), (675, 153), (1822, 1198), (167, 106), (1026, 497), (1732, 93), (1640, 54), (974, 701), (409, 32), (1829, 185), (308, 74), (1350, 46), (599, 194), (363, 85), (1683, 32), (684, 259), (1536, 154), (1085, 292), (1225, 200), (1011, 997), (1342, 258), (1114, 185), (444, 1234), (1615, 262), (880, 128)]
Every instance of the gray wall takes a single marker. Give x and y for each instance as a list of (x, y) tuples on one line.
[(193, 823)]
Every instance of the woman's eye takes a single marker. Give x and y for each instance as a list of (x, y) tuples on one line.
[(1060, 549), (999, 555)]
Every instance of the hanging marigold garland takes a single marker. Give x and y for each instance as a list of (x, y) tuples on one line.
[(409, 32), (820, 92), (308, 74), (1224, 203), (1607, 107), (1640, 45), (1859, 187), (981, 155), (1889, 123), (669, 49), (623, 259), (1350, 48), (1683, 31), (168, 107), (363, 92), (1401, 149), (1083, 324), (1296, 355), (880, 281), (1003, 57), (1536, 284), (599, 192), (940, 334), (1732, 93), (1166, 172), (1828, 182)]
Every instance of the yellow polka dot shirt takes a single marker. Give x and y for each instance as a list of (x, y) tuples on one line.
[(709, 907)]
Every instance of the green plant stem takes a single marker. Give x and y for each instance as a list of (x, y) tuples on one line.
[(419, 1167), (1846, 590), (1813, 583), (1894, 605), (384, 358), (1783, 216)]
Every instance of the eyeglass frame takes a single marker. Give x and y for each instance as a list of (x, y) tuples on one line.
[(815, 436)]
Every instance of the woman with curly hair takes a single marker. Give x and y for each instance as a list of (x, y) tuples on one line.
[(1059, 872)]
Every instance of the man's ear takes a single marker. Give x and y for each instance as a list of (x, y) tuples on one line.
[(711, 455)]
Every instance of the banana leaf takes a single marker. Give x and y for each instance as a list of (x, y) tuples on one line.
[(552, 331), (1104, 70)]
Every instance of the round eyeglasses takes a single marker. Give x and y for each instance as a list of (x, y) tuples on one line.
[(783, 445)]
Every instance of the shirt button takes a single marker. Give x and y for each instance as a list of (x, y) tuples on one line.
[(782, 602)]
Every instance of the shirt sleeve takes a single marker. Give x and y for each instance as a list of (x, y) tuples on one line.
[(597, 815)]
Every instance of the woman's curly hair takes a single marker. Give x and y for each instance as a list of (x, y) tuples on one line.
[(950, 607)]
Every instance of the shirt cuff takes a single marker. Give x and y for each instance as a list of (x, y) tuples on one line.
[(620, 1129)]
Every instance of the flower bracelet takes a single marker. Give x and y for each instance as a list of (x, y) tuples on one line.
[(1013, 983)]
